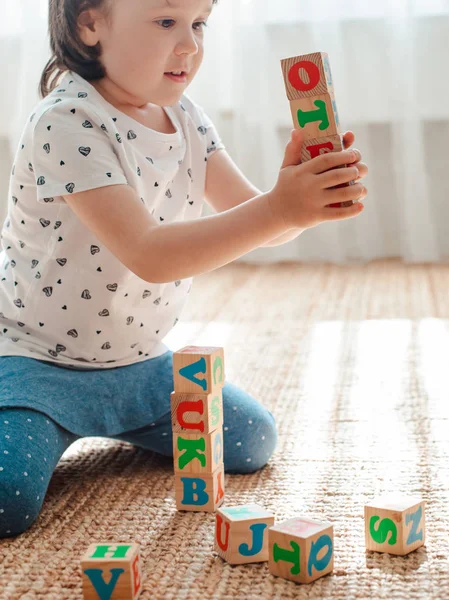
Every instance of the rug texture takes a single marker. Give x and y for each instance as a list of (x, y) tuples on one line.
[(354, 363)]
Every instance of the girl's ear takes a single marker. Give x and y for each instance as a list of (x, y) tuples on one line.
[(88, 28)]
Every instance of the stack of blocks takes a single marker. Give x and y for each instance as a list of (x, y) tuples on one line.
[(197, 422), (310, 89)]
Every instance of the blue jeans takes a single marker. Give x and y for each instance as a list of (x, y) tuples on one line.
[(32, 443)]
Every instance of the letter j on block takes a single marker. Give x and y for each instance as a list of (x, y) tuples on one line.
[(111, 571), (395, 524), (241, 533), (198, 369)]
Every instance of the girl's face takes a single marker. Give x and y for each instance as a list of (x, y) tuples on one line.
[(144, 39)]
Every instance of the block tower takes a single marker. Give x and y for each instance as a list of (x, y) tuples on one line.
[(197, 423), (310, 89)]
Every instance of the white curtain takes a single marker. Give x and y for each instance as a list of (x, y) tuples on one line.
[(389, 62)]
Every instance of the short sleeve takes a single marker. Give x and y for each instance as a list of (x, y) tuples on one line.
[(208, 129), (73, 151)]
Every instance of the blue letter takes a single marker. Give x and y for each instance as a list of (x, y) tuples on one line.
[(416, 517), (321, 564), (198, 491), (103, 590), (190, 371), (257, 530)]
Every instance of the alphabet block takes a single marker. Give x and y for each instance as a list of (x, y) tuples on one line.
[(307, 75), (301, 549), (395, 524), (111, 570), (317, 116), (241, 533), (198, 453), (200, 492), (200, 413), (198, 370)]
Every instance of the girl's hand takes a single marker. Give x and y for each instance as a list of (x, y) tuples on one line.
[(348, 140), (303, 192)]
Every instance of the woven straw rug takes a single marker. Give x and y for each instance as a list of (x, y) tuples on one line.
[(353, 362)]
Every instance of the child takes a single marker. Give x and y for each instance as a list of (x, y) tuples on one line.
[(104, 234)]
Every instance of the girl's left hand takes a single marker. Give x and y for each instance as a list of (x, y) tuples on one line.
[(348, 140)]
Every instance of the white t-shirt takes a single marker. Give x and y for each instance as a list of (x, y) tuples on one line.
[(64, 297)]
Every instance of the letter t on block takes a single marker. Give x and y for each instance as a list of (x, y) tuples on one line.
[(301, 549), (395, 524), (111, 570)]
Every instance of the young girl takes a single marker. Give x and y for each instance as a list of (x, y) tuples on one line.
[(104, 234)]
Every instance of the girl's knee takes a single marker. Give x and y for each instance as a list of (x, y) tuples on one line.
[(255, 446), (19, 507)]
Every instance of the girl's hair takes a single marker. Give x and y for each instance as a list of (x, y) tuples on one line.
[(68, 50)]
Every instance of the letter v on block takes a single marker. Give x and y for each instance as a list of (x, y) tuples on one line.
[(111, 570), (198, 369)]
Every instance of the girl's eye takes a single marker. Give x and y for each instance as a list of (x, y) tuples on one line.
[(203, 23)]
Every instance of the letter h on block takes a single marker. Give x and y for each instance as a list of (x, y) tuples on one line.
[(301, 549), (241, 533), (112, 571), (310, 89), (197, 423), (395, 524)]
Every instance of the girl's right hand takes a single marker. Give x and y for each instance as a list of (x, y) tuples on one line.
[(301, 196)]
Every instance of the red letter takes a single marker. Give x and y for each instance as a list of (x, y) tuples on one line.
[(219, 522), (220, 492), (315, 150), (312, 71), (136, 575), (184, 407)]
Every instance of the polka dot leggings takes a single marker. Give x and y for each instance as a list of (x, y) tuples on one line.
[(31, 445)]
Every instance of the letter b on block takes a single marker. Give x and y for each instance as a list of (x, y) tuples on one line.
[(200, 492)]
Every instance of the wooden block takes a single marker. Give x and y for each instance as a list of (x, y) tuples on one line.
[(111, 570), (301, 549), (200, 492), (316, 116), (241, 533), (395, 524), (318, 146), (198, 369), (202, 413), (307, 75), (198, 452)]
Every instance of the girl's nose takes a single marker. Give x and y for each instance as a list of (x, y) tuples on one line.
[(188, 43)]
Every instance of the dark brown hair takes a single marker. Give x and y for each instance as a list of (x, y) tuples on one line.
[(68, 50)]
